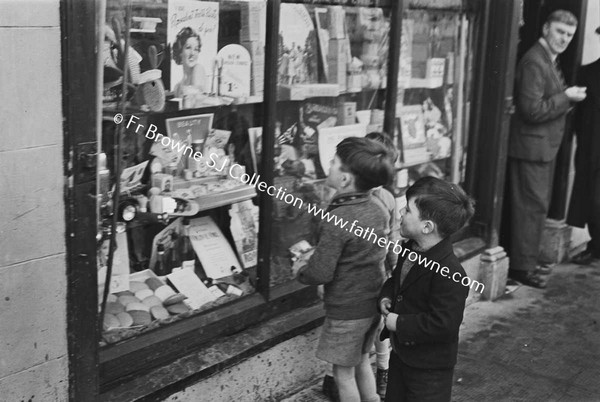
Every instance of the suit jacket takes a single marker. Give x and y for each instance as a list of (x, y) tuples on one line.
[(429, 307), (587, 155), (541, 106)]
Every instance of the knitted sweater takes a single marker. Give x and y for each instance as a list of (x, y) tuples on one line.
[(347, 258)]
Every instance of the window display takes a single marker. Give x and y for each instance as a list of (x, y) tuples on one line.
[(177, 138), (332, 70), (433, 100)]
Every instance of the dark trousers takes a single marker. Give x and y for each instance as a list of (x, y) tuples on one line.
[(530, 190), (594, 217), (410, 384)]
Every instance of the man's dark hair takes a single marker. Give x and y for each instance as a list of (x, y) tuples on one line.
[(564, 16), (446, 204), (367, 160)]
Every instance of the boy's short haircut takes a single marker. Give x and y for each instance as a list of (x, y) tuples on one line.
[(367, 160), (564, 16), (386, 141), (446, 204)]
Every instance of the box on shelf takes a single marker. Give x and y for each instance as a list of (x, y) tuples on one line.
[(303, 91), (253, 16), (336, 17), (346, 113), (337, 62), (257, 54)]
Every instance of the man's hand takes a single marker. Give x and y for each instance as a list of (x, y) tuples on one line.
[(576, 94), (390, 321), (385, 305)]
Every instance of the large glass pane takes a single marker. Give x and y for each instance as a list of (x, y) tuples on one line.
[(332, 67), (433, 96), (187, 223)]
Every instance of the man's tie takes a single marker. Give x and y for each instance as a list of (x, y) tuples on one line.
[(561, 77)]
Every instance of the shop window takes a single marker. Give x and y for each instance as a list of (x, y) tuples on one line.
[(434, 96), (332, 72), (181, 163)]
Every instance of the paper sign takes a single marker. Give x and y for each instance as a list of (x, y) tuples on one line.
[(330, 137), (186, 282), (235, 73), (212, 248), (132, 176)]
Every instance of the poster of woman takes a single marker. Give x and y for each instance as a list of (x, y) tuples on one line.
[(192, 34)]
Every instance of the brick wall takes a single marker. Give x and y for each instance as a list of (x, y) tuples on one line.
[(33, 342)]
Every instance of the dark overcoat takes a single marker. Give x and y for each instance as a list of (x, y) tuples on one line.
[(587, 156)]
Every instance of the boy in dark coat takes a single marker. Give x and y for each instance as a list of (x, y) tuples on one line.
[(423, 301)]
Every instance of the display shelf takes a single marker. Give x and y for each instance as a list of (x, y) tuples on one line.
[(419, 162)]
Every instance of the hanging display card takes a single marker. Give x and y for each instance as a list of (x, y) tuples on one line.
[(235, 71), (197, 126), (298, 58), (212, 248), (330, 137), (202, 18)]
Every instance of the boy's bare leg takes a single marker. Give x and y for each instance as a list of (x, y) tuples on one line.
[(366, 380), (347, 387)]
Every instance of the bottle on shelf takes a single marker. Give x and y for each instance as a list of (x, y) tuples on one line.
[(239, 275), (223, 287), (188, 256), (161, 268), (175, 254)]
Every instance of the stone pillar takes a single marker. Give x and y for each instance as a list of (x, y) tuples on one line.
[(494, 271), (556, 239)]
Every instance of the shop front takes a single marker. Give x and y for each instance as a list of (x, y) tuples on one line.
[(199, 137)]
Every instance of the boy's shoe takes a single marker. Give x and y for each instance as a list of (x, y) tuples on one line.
[(381, 380), (330, 388)]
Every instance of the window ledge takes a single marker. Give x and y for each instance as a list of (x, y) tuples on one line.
[(161, 382)]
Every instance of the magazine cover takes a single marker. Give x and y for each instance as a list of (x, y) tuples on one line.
[(297, 63), (192, 34), (244, 229), (412, 126)]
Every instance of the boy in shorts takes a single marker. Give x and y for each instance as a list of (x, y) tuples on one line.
[(424, 300), (349, 262)]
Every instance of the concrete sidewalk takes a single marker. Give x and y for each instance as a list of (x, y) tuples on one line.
[(530, 345)]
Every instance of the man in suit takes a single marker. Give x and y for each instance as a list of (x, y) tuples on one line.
[(584, 207), (542, 102)]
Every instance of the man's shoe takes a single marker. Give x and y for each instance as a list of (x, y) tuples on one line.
[(543, 269), (330, 388), (586, 257), (381, 380), (528, 278)]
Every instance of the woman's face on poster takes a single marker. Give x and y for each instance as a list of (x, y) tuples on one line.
[(190, 52)]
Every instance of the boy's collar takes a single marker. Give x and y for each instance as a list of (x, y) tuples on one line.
[(349, 198), (437, 252)]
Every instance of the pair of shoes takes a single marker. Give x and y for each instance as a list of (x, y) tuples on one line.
[(586, 257), (381, 380), (528, 278), (543, 269), (330, 388)]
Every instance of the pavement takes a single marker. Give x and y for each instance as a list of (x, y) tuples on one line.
[(529, 345)]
